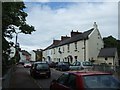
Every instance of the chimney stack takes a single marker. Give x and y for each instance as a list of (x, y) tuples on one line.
[(95, 25), (73, 33), (55, 42), (64, 37)]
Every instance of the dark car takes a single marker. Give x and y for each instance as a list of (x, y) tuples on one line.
[(76, 80), (62, 66), (52, 64), (39, 69)]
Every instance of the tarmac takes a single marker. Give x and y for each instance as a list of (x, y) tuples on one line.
[(22, 80)]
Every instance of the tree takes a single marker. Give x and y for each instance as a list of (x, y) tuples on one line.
[(110, 41), (13, 15)]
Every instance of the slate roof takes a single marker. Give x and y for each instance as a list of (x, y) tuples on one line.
[(51, 46), (75, 38), (107, 52)]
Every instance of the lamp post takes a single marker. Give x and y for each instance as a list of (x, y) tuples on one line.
[(16, 45)]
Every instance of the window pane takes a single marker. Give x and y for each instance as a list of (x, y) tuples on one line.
[(72, 82), (63, 78), (101, 81)]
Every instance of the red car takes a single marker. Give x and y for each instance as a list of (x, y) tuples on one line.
[(76, 80)]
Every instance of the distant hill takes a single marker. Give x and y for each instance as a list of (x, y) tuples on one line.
[(110, 41)]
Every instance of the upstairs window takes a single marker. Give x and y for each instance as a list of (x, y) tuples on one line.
[(59, 51)]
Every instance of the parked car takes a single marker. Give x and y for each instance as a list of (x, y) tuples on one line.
[(27, 64), (77, 65), (39, 69), (92, 80), (52, 64), (62, 66)]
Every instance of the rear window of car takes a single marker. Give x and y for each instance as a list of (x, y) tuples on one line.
[(101, 81), (42, 66)]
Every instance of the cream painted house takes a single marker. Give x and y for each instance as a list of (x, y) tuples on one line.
[(33, 55), (108, 56), (82, 46)]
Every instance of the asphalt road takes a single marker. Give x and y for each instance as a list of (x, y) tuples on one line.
[(43, 82), (21, 79)]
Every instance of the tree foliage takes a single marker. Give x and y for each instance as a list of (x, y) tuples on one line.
[(13, 16)]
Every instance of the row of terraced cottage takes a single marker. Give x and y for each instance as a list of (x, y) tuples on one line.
[(81, 46)]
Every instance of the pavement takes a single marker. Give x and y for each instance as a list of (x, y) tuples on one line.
[(20, 79)]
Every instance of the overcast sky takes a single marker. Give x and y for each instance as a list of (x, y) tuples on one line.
[(54, 19)]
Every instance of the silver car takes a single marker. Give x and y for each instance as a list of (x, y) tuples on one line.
[(80, 65)]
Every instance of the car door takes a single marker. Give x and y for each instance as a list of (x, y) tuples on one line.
[(76, 66)]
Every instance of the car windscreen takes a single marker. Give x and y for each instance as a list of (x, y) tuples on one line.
[(101, 81), (76, 64), (87, 64), (42, 66)]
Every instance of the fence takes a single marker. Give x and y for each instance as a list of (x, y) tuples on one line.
[(115, 70)]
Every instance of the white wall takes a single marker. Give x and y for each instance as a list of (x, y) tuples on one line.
[(22, 57), (33, 56), (94, 45)]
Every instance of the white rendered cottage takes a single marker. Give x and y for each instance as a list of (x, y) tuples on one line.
[(81, 46), (108, 56)]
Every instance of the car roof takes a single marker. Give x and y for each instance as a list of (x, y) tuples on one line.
[(84, 73), (40, 62)]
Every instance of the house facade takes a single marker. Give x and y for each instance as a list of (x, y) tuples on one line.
[(108, 56), (82, 46), (33, 55), (24, 56), (36, 55)]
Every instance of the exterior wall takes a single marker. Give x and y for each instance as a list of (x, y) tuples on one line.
[(63, 56), (33, 56), (79, 52), (86, 49), (108, 61), (94, 45), (44, 55), (22, 57), (112, 60)]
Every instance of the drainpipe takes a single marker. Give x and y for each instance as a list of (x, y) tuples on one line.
[(84, 50)]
